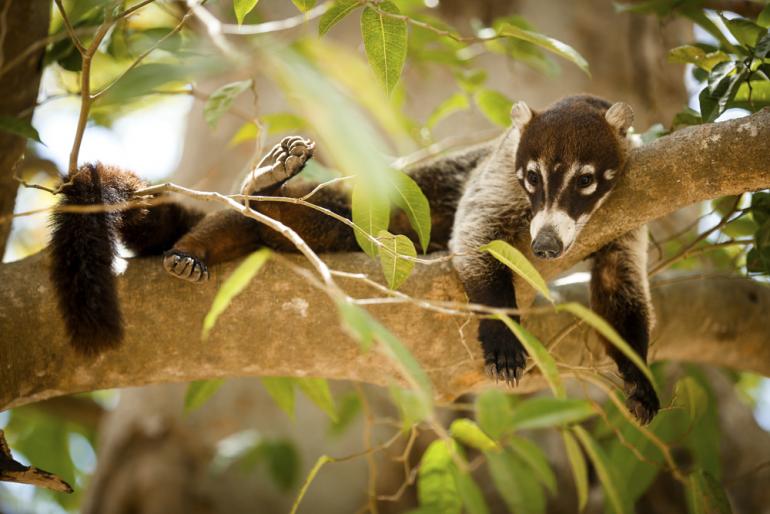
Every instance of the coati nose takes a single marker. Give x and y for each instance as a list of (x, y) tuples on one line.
[(547, 244)]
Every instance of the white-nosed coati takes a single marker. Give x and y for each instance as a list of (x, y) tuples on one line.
[(547, 174)]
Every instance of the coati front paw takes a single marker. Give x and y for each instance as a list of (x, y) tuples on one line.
[(642, 400), (185, 266), (504, 356), (285, 160)]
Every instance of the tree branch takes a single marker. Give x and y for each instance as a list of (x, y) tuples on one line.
[(283, 325)]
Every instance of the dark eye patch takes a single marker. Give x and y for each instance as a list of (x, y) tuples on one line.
[(533, 177), (584, 181)]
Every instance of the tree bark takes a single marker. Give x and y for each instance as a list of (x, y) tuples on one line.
[(25, 23), (282, 325)]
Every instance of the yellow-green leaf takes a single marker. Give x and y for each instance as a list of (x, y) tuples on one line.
[(233, 286), (689, 54), (242, 8), (531, 453), (281, 390), (613, 496), (408, 197), (518, 486), (436, 487), (606, 330), (494, 105), (690, 395), (546, 412), (396, 269), (468, 432), (336, 12), (579, 469), (515, 260), (471, 495), (199, 392), (493, 412), (455, 103), (705, 495), (317, 389), (220, 101), (304, 5), (385, 42), (371, 214), (539, 354), (248, 132), (548, 43)]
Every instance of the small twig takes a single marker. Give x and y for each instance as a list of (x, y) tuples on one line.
[(367, 435), (70, 29), (278, 25)]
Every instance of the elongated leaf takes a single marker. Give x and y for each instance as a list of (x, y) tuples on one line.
[(745, 31), (142, 80), (606, 330), (689, 54), (281, 390), (539, 354), (371, 213), (396, 269), (233, 286), (436, 487), (515, 260), (410, 406), (385, 43), (495, 106), (220, 101), (516, 484), (705, 495), (468, 432), (763, 19), (470, 494), (494, 413), (579, 469), (242, 8), (248, 132), (304, 5), (406, 194), (613, 496), (336, 12), (199, 392), (689, 394), (317, 389), (545, 412), (548, 43), (19, 127), (531, 453), (455, 103)]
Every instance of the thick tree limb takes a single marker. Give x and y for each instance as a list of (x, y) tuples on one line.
[(282, 325)]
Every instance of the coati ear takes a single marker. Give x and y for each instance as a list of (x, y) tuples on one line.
[(620, 116), (520, 115)]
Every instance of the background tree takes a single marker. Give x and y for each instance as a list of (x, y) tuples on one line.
[(257, 71)]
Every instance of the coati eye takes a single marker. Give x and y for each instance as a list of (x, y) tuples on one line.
[(532, 177), (584, 181)]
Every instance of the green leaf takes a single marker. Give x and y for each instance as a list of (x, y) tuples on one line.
[(745, 31), (609, 333), (348, 410), (396, 269), (436, 487), (385, 42), (752, 95), (408, 197), (199, 392), (515, 260), (304, 5), (142, 80), (516, 484), (545, 412), (763, 19), (760, 207), (317, 389), (233, 286), (689, 54), (455, 103), (495, 106), (336, 12), (493, 412), (410, 406), (468, 432), (281, 390), (539, 354), (220, 101), (283, 462), (689, 395), (371, 214), (248, 132), (705, 495), (531, 453), (613, 496), (548, 43), (19, 127), (242, 8), (282, 122), (470, 494), (579, 469)]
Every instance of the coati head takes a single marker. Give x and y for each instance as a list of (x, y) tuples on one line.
[(568, 160)]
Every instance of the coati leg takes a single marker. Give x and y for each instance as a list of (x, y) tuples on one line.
[(620, 293)]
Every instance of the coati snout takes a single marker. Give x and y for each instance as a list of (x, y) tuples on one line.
[(568, 161)]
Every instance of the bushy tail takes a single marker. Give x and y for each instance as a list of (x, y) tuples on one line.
[(84, 246)]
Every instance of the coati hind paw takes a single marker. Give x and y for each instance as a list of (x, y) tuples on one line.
[(285, 160), (642, 400), (504, 357), (185, 266)]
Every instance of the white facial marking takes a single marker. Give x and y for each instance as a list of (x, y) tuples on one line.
[(564, 226), (531, 166), (520, 173), (610, 174)]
